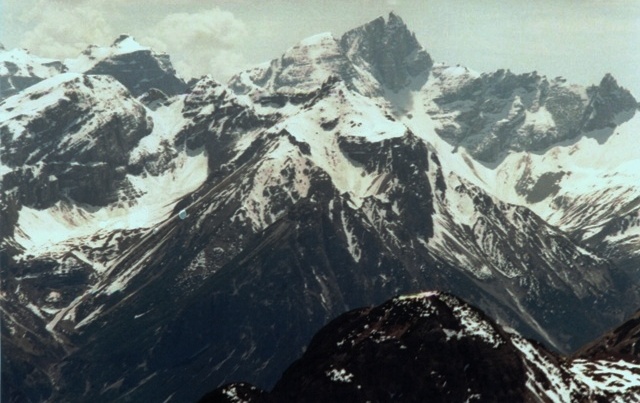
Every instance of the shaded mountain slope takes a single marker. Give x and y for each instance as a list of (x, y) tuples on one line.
[(433, 346)]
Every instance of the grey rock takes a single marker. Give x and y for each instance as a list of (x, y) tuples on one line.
[(378, 56), (495, 112), (389, 49), (73, 148), (141, 70)]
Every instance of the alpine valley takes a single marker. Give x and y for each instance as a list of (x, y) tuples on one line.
[(162, 238)]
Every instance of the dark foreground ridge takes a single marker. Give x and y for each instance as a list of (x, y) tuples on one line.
[(435, 347)]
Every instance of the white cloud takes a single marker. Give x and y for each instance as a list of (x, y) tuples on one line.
[(206, 42), (64, 29)]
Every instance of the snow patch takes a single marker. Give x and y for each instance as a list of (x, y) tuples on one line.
[(89, 318), (422, 295), (339, 375), (96, 54)]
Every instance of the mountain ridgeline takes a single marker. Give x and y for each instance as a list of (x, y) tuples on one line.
[(160, 239), (435, 347)]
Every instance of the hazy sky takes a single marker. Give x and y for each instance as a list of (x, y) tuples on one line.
[(578, 39)]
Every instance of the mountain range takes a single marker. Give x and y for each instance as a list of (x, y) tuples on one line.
[(161, 238)]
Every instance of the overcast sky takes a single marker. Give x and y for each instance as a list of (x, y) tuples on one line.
[(578, 39)]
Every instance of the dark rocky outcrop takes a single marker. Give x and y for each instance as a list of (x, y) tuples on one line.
[(21, 70), (378, 56), (140, 70), (501, 112), (431, 347), (75, 148), (623, 342), (406, 350), (606, 102), (153, 98), (389, 49)]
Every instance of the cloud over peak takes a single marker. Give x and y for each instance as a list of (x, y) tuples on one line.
[(205, 42), (202, 42)]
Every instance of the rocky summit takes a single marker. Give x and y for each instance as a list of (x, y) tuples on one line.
[(160, 239), (435, 347)]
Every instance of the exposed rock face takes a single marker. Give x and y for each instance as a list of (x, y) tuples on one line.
[(226, 117), (381, 55), (622, 342), (302, 68), (19, 70), (69, 137), (434, 347), (606, 102), (153, 98), (423, 349), (500, 112), (138, 70), (389, 49)]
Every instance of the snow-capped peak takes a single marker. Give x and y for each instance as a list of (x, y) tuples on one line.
[(21, 62), (94, 54), (324, 39), (302, 68), (126, 43), (376, 56), (19, 69)]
